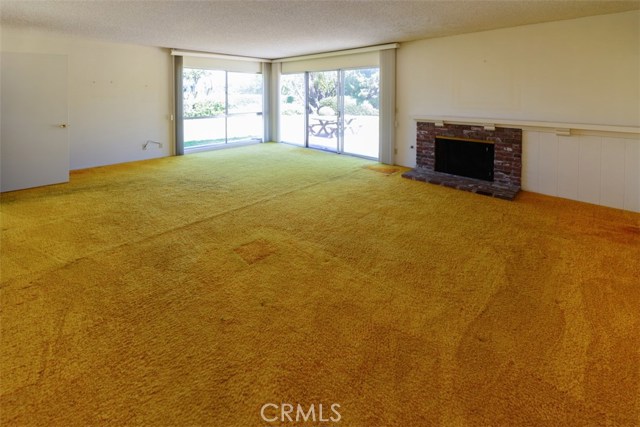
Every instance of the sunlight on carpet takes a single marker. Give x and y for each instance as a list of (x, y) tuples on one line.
[(385, 169)]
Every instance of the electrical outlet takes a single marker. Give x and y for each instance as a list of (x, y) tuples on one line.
[(146, 144)]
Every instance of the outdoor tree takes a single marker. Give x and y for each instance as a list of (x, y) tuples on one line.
[(363, 86), (322, 86), (197, 91), (361, 91)]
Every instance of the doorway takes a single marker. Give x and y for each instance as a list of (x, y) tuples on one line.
[(361, 106), (293, 106), (335, 110), (323, 110), (221, 107)]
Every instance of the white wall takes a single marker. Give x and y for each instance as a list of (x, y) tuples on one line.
[(598, 169), (120, 96), (576, 71)]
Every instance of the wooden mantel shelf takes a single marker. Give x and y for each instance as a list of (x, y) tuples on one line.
[(560, 128)]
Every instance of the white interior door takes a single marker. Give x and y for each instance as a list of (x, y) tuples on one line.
[(34, 145)]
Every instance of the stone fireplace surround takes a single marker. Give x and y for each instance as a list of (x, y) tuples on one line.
[(507, 164)]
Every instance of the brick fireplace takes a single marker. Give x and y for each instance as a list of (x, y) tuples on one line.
[(507, 163)]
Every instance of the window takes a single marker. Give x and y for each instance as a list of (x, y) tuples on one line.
[(340, 109), (221, 107), (293, 102)]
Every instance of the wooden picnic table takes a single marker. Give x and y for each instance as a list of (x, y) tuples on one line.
[(325, 126)]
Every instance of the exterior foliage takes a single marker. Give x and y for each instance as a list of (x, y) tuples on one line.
[(204, 93), (361, 93)]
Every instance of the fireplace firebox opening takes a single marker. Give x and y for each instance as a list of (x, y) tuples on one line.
[(464, 157)]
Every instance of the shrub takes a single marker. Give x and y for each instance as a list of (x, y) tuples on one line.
[(203, 109), (351, 106)]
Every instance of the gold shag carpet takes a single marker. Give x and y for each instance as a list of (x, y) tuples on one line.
[(217, 289)]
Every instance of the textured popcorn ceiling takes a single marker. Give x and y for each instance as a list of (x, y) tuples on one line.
[(280, 28)]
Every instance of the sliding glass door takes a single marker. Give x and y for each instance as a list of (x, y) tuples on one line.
[(244, 107), (323, 110), (204, 104), (339, 109), (361, 103), (221, 107), (293, 106)]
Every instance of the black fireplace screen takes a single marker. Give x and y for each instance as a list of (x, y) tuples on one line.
[(464, 157)]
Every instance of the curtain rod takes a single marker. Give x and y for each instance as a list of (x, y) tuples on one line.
[(176, 52), (339, 52)]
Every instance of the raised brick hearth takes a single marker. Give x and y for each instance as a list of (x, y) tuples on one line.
[(507, 164)]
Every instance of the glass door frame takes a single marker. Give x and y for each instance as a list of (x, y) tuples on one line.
[(232, 115), (341, 140), (359, 113), (340, 112), (226, 115), (292, 131), (323, 124)]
